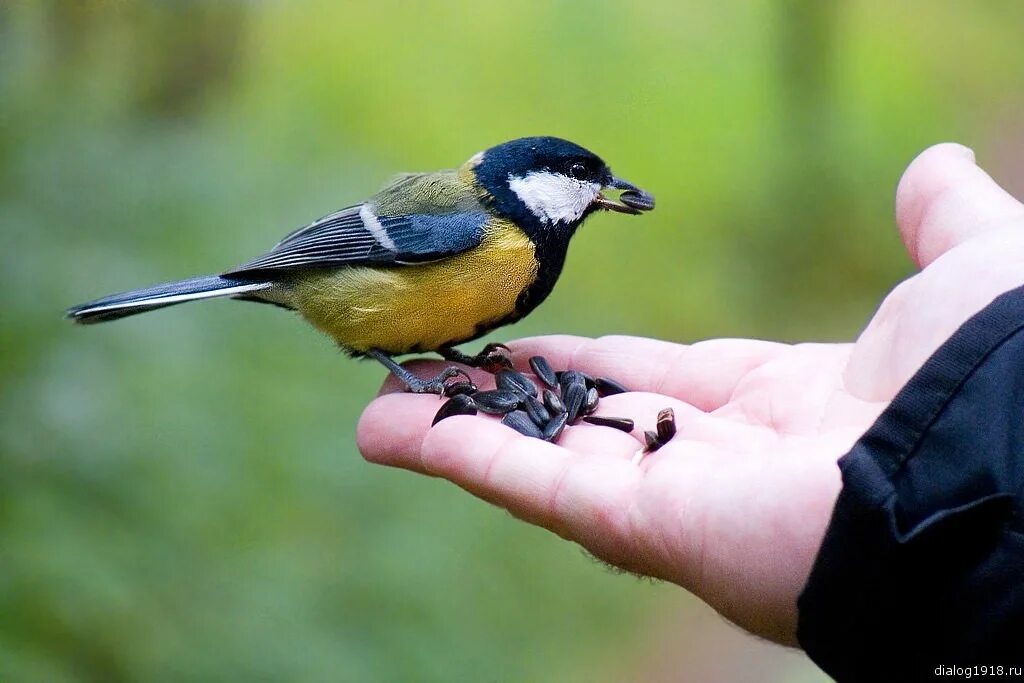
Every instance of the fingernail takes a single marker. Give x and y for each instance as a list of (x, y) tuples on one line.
[(964, 151)]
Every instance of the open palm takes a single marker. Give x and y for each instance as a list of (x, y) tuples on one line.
[(735, 506)]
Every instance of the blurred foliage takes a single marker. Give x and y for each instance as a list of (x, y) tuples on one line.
[(180, 495)]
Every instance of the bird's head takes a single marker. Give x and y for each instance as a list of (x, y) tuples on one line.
[(549, 184)]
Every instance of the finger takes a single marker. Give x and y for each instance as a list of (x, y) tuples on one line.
[(944, 199), (577, 497), (702, 374), (391, 429)]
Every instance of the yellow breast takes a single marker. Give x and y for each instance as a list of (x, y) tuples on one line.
[(399, 309)]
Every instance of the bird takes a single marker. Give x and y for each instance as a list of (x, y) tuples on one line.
[(431, 261)]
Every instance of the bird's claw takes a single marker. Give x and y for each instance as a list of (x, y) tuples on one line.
[(436, 385), (494, 357)]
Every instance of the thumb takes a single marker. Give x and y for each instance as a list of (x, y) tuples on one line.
[(944, 199)]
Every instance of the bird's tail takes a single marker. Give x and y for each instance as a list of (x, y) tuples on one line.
[(151, 298)]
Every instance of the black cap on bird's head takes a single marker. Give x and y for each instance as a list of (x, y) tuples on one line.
[(545, 182)]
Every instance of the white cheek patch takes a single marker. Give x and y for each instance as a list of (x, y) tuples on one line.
[(553, 197)]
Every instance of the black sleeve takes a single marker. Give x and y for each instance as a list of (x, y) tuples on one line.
[(922, 565)]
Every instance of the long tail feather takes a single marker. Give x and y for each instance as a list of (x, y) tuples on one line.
[(151, 298)]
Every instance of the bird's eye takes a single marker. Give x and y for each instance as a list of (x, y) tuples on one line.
[(578, 171)]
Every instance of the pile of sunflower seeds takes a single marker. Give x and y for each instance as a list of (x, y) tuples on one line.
[(564, 398)]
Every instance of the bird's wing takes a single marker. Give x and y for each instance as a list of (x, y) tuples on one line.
[(370, 233)]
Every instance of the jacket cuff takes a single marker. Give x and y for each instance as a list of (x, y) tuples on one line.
[(922, 565)]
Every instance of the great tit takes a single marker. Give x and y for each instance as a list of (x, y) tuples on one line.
[(430, 261)]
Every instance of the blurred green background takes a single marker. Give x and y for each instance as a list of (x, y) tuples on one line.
[(180, 495)]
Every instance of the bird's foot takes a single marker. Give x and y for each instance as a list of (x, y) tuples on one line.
[(435, 385), (492, 358)]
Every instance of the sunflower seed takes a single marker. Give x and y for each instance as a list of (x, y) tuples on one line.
[(575, 395), (543, 370), (651, 439), (536, 410), (510, 380), (637, 199), (570, 377), (553, 429), (666, 425), (521, 422), (553, 402), (590, 403), (609, 387), (621, 423), (460, 404), (497, 401)]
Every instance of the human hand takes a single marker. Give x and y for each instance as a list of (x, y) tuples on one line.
[(735, 506)]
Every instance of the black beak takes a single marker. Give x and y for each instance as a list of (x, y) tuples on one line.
[(633, 200)]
